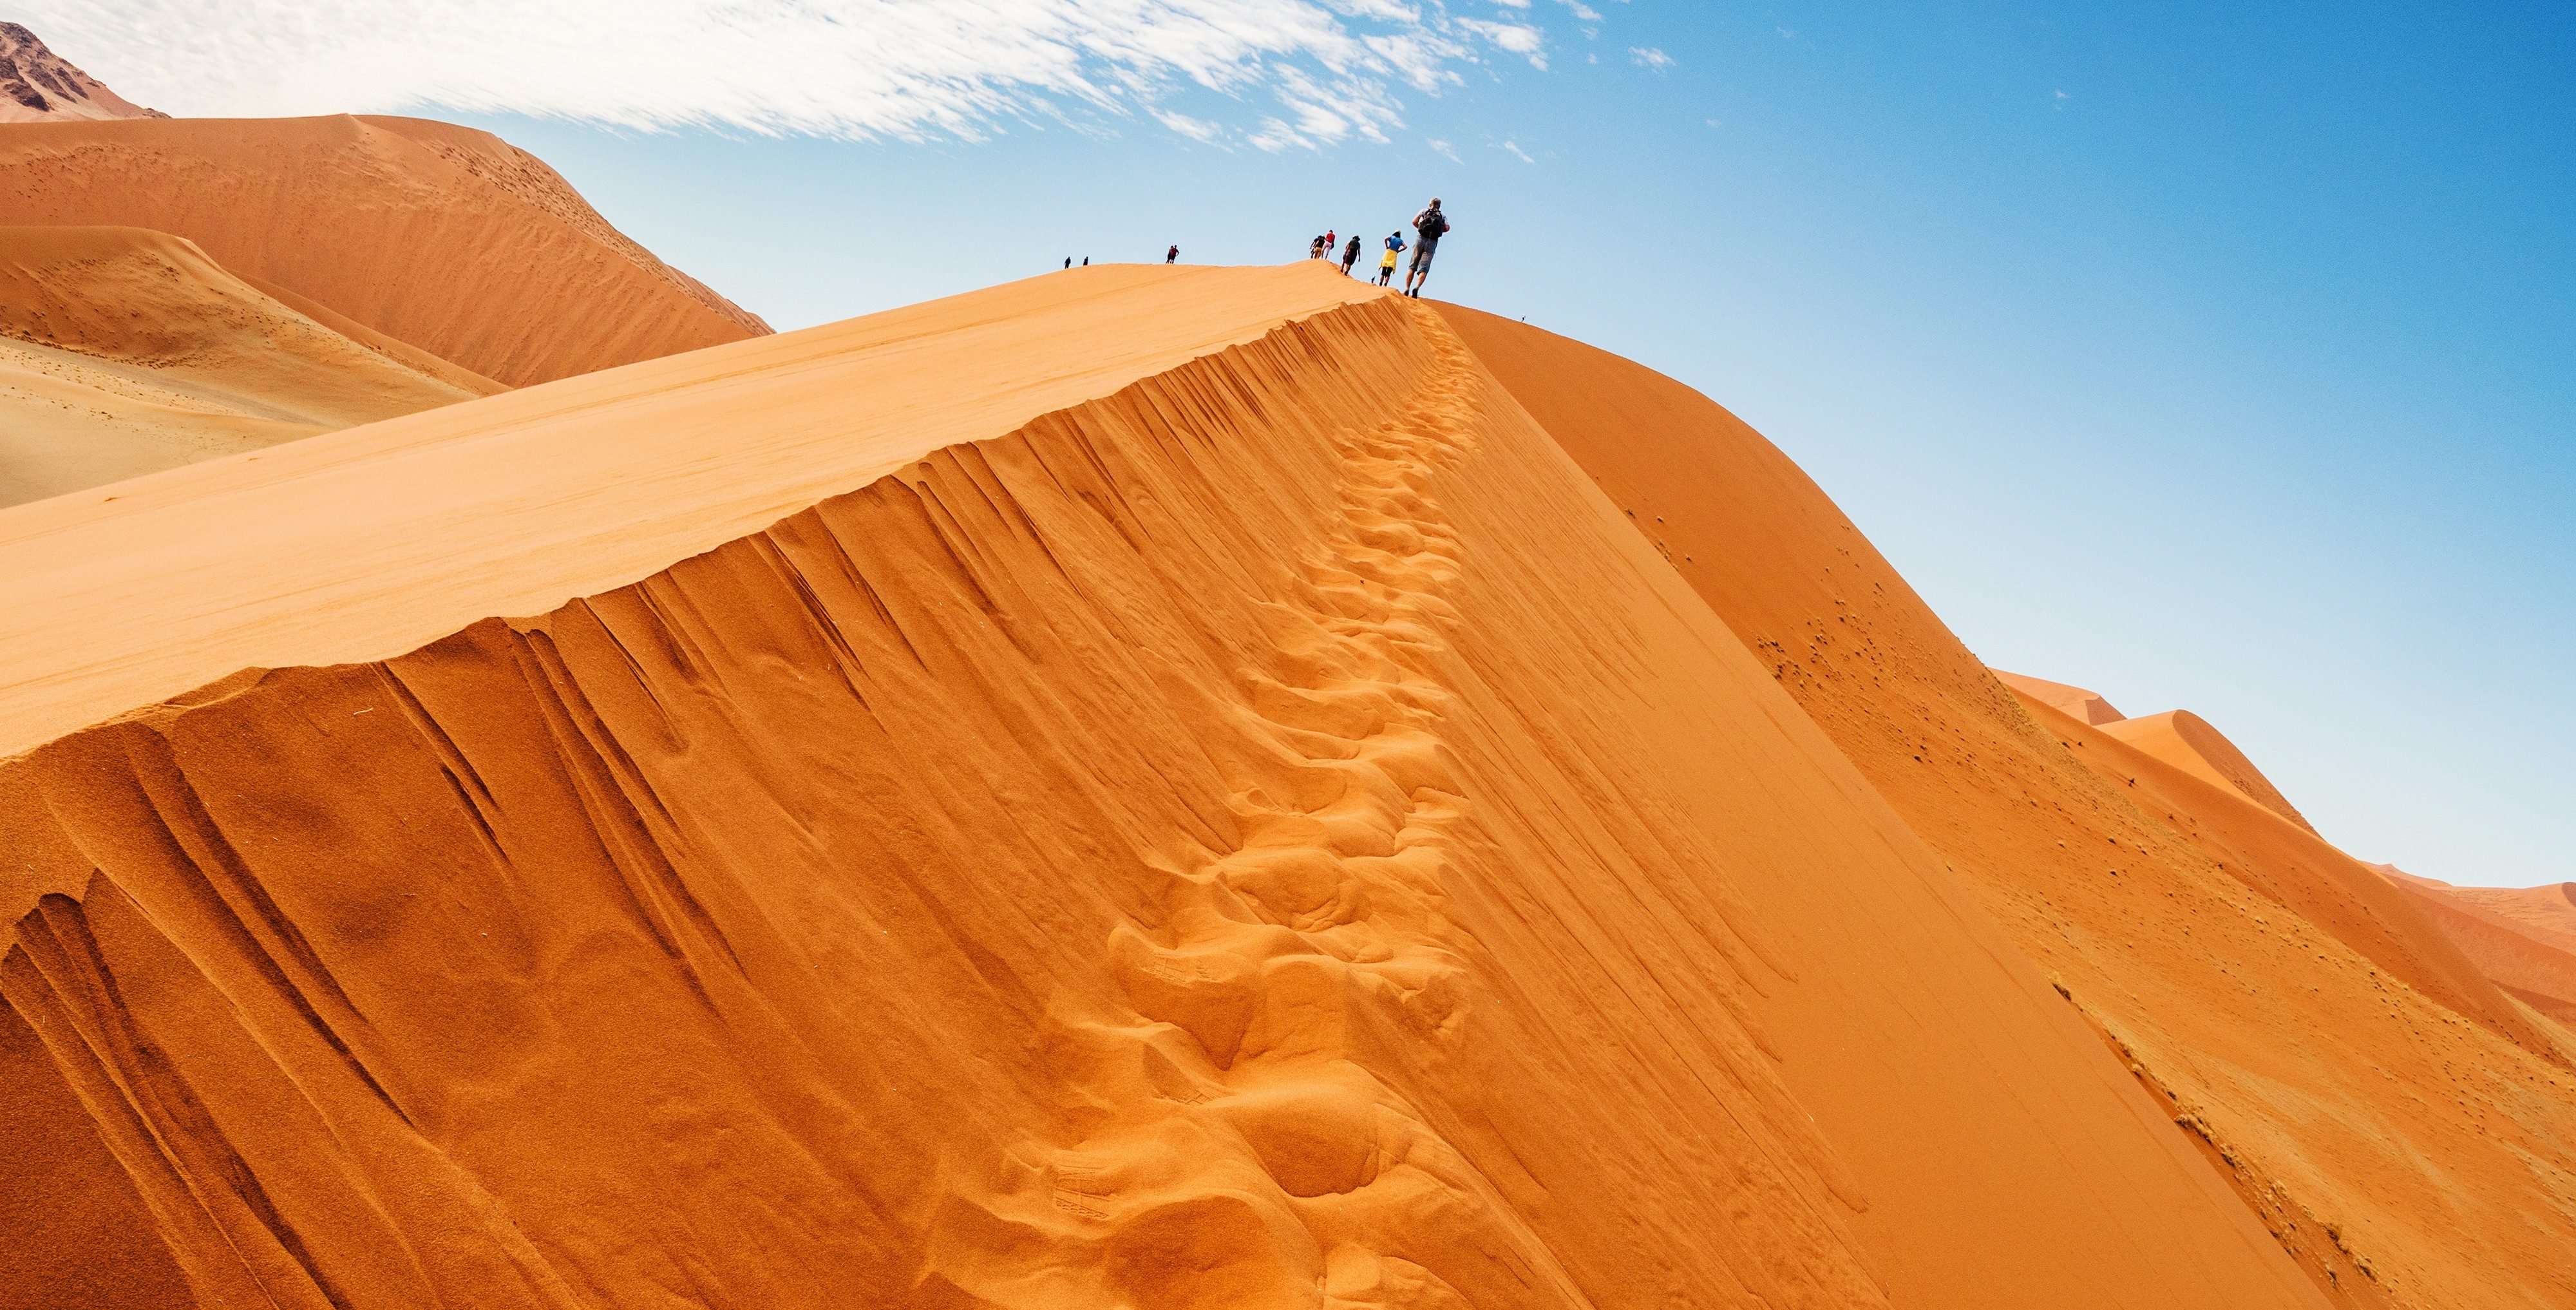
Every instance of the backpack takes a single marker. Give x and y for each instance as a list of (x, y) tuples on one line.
[(1431, 223)]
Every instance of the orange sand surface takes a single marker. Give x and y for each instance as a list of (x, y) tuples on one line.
[(1141, 787), (444, 238), (2405, 1132), (2187, 741), (124, 351), (2083, 706)]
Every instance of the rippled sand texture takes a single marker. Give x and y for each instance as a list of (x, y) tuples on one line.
[(1270, 834)]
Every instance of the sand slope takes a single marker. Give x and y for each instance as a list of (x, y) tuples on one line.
[(1252, 829), (2081, 705), (124, 351), (445, 238), (39, 86), (2403, 1129), (2188, 742)]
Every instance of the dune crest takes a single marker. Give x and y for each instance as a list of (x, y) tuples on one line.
[(1256, 831), (2188, 742), (444, 238), (39, 86), (2081, 705)]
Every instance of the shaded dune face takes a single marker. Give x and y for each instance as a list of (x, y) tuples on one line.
[(442, 237), (2402, 1128), (1268, 837)]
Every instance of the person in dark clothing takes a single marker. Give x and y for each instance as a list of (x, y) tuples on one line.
[(1430, 225), (1315, 248), (1068, 261), (1172, 256), (1350, 256)]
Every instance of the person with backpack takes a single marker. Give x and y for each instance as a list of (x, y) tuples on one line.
[(1386, 262), (1315, 248), (1350, 256), (1172, 256), (1432, 225)]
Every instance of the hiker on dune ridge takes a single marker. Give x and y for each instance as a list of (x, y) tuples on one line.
[(1430, 225)]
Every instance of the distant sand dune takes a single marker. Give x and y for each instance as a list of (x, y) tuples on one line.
[(444, 238), (124, 351), (2075, 702), (2186, 741)]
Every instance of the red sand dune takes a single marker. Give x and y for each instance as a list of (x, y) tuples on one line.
[(124, 351), (1142, 787), (39, 86), (2186, 741), (442, 237), (2403, 1130), (2075, 702), (2523, 938)]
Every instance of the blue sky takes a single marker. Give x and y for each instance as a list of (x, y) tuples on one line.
[(2210, 356)]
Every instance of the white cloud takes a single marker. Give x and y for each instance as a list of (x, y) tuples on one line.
[(1518, 38), (1650, 57), (1518, 153), (851, 68)]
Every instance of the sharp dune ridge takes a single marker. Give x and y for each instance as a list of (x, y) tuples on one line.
[(1159, 788)]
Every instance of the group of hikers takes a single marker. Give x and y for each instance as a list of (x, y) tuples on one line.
[(1428, 227)]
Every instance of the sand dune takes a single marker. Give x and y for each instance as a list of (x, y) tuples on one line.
[(441, 237), (2075, 702), (2186, 741), (1143, 787), (2402, 1130), (2523, 938), (124, 351), (39, 86)]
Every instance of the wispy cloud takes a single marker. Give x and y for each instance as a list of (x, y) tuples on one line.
[(1328, 70), (1650, 57), (1517, 153)]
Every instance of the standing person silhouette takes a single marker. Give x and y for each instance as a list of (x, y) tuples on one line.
[(1431, 225), (1172, 256), (1350, 256), (1386, 262), (1315, 248)]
